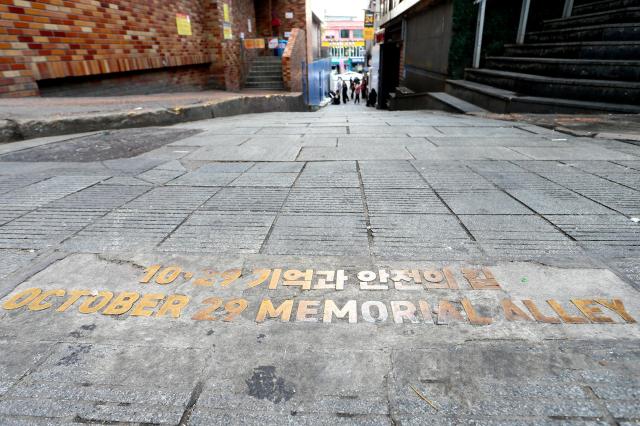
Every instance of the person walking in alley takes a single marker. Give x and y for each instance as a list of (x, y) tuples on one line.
[(358, 89), (363, 88), (339, 88), (345, 94), (352, 87)]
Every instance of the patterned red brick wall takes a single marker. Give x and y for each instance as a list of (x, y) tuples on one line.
[(56, 38), (51, 39), (292, 58), (162, 80), (233, 58), (279, 10)]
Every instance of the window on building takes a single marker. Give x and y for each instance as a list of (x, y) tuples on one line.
[(357, 33), (344, 33)]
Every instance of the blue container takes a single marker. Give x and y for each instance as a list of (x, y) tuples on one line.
[(282, 44)]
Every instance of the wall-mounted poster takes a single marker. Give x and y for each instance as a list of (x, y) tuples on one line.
[(227, 31), (369, 21), (183, 22), (226, 13), (368, 33), (254, 43)]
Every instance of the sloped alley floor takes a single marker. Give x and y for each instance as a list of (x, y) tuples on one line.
[(348, 266)]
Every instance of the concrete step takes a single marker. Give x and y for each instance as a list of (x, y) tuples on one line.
[(445, 102), (264, 80), (439, 101), (263, 85), (624, 70), (569, 88), (601, 6), (267, 67), (606, 32), (505, 101), (617, 16), (577, 50), (257, 74), (267, 60)]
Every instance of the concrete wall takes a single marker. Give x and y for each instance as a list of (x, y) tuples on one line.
[(426, 48)]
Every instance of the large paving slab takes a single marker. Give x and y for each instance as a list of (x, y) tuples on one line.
[(348, 266)]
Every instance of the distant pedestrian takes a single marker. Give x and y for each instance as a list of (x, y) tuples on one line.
[(358, 90), (352, 87), (345, 95), (373, 98), (363, 91)]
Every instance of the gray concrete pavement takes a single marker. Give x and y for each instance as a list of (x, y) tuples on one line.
[(348, 266)]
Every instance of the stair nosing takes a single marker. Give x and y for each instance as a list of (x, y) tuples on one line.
[(591, 15), (439, 96), (575, 43), (586, 27), (581, 6), (587, 5), (566, 81), (568, 60), (485, 90)]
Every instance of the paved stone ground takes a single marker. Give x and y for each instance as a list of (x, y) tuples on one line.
[(489, 214)]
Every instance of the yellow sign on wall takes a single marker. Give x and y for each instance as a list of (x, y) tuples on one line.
[(368, 33), (340, 44), (225, 12), (183, 22), (227, 31), (254, 43)]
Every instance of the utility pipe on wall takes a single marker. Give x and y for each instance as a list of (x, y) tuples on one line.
[(479, 30), (568, 8), (524, 18)]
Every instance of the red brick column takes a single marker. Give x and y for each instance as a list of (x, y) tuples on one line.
[(294, 55)]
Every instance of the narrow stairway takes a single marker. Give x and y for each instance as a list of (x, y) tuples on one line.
[(588, 62), (265, 73)]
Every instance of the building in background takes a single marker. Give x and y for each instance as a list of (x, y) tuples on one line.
[(343, 36)]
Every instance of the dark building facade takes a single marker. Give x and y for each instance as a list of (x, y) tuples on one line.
[(574, 53)]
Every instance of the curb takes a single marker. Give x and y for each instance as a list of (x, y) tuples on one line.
[(17, 130)]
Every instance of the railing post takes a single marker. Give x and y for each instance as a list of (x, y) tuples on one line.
[(524, 18), (568, 8), (479, 30)]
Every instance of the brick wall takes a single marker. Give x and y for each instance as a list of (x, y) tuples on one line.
[(174, 79), (56, 38), (279, 10), (235, 60), (292, 58)]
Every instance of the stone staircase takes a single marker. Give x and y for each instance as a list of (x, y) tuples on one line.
[(265, 73), (589, 62)]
